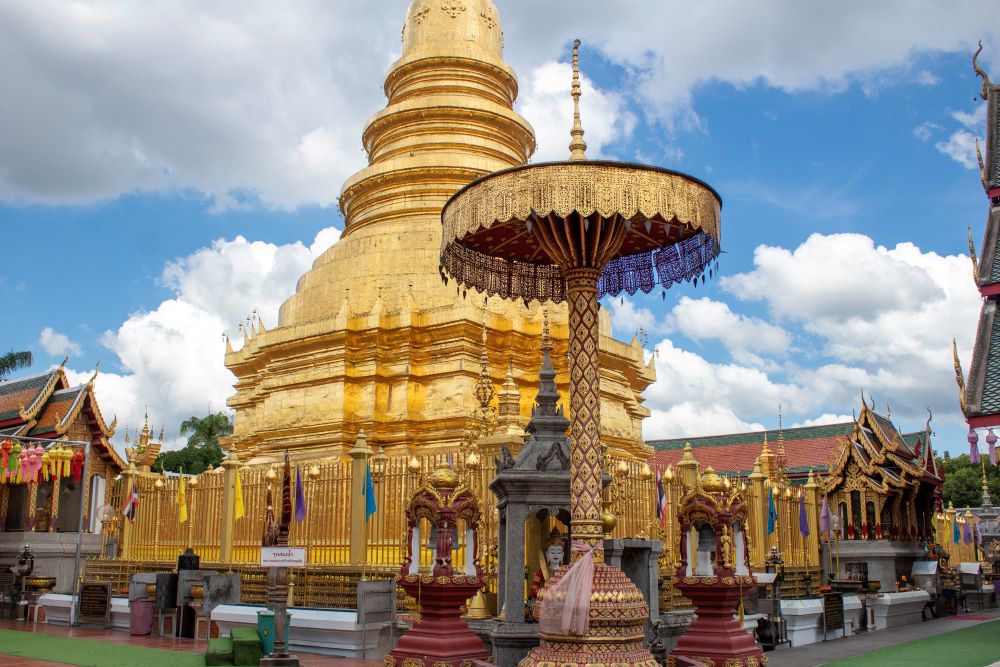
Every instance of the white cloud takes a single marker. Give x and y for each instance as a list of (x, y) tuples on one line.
[(256, 103), (547, 105), (704, 318), (960, 147), (825, 418), (171, 358), (58, 344), (925, 130)]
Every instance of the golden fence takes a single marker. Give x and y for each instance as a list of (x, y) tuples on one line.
[(155, 538)]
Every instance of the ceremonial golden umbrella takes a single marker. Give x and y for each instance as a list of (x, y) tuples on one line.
[(574, 231)]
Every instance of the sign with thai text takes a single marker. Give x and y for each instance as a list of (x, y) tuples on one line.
[(282, 556), (95, 603)]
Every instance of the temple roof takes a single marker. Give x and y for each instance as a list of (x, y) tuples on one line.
[(45, 406), (806, 447), (981, 397)]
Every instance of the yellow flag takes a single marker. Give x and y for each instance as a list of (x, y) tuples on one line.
[(238, 505), (182, 508)]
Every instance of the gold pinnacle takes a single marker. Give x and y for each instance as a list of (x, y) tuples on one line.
[(577, 146)]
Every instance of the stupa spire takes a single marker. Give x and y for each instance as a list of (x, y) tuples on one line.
[(577, 146)]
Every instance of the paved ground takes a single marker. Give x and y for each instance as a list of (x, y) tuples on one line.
[(824, 652), (169, 643)]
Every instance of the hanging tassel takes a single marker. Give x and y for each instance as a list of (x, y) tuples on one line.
[(973, 439), (991, 440)]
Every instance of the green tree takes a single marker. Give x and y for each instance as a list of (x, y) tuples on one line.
[(13, 361), (963, 481), (202, 451)]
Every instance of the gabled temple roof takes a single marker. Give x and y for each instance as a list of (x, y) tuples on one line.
[(805, 448), (981, 397), (22, 398)]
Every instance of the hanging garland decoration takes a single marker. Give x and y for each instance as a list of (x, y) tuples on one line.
[(5, 449), (76, 465), (10, 472)]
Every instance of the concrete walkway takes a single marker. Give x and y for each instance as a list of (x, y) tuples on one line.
[(835, 649)]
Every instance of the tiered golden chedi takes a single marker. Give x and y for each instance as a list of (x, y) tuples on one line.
[(373, 338)]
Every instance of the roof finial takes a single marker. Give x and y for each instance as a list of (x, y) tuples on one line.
[(980, 73), (972, 248), (959, 376), (982, 166), (577, 146)]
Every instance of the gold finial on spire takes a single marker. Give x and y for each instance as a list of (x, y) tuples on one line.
[(959, 376), (577, 146), (972, 246), (980, 73), (484, 387)]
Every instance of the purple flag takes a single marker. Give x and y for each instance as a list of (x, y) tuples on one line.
[(803, 521), (300, 497), (825, 520), (967, 533), (979, 534)]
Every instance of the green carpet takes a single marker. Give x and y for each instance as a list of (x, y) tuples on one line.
[(91, 653), (968, 647)]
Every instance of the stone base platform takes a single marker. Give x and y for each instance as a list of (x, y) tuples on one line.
[(58, 610), (326, 631), (54, 554)]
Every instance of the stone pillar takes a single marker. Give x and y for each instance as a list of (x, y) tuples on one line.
[(359, 531), (513, 567), (32, 506), (54, 504), (230, 469), (757, 520)]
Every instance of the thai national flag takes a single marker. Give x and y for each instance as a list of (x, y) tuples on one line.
[(131, 503), (661, 500)]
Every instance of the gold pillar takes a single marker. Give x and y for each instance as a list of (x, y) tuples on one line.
[(758, 520), (359, 532), (54, 504), (129, 477), (948, 530), (812, 514), (688, 466), (32, 505), (230, 469)]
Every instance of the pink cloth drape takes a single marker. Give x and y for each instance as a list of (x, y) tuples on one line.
[(566, 605)]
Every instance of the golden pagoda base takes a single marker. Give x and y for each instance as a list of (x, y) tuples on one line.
[(618, 614)]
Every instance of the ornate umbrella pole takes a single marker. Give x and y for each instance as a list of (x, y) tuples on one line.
[(565, 231)]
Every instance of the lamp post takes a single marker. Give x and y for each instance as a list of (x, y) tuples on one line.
[(774, 564)]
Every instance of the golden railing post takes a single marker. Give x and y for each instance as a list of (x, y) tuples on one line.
[(948, 530), (359, 458), (688, 466), (230, 469), (811, 543), (758, 519), (128, 479)]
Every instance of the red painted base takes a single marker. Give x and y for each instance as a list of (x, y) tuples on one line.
[(440, 637), (715, 638)]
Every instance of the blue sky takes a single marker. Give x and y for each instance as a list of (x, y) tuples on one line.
[(155, 191)]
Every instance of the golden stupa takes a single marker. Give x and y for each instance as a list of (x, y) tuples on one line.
[(373, 338)]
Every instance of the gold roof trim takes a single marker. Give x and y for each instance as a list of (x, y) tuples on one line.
[(633, 191)]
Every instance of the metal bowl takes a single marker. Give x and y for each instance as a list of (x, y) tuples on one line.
[(39, 584)]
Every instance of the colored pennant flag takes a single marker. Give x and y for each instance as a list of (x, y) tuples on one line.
[(131, 502), (369, 492), (300, 497), (772, 512), (978, 531), (238, 509), (661, 500), (825, 518), (967, 532), (803, 520), (182, 507), (956, 535)]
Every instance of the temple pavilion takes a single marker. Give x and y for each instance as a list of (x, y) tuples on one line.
[(46, 406), (881, 481)]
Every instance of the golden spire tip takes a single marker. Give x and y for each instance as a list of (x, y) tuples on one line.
[(577, 146)]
